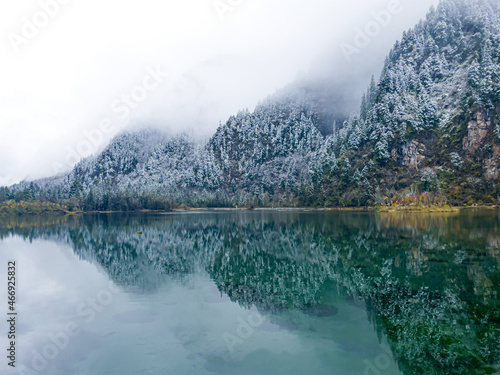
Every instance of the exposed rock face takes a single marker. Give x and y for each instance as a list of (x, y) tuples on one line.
[(491, 165), (477, 130), (413, 154), (394, 155)]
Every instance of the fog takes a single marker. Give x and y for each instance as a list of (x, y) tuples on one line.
[(75, 73)]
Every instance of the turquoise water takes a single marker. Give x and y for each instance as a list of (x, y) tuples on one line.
[(255, 293)]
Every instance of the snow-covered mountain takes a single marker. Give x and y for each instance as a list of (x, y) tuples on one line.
[(430, 124)]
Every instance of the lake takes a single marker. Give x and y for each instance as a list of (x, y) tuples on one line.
[(257, 292)]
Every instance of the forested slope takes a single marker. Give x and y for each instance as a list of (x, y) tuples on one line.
[(429, 125)]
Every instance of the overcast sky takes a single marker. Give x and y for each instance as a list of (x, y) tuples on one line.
[(71, 70)]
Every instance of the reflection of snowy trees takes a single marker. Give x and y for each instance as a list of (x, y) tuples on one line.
[(428, 284)]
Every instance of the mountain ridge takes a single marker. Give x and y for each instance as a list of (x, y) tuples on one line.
[(430, 125)]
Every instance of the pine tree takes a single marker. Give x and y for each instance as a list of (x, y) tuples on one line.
[(4, 194), (90, 201), (76, 188)]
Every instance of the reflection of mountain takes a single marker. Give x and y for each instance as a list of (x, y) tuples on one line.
[(430, 283)]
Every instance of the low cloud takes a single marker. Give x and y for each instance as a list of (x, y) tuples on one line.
[(63, 79)]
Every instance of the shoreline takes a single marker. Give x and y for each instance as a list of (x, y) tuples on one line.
[(385, 209)]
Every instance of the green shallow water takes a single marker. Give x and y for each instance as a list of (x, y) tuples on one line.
[(256, 293)]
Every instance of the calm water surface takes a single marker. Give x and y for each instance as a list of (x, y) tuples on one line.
[(255, 293)]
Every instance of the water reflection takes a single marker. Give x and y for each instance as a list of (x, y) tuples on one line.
[(429, 283)]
